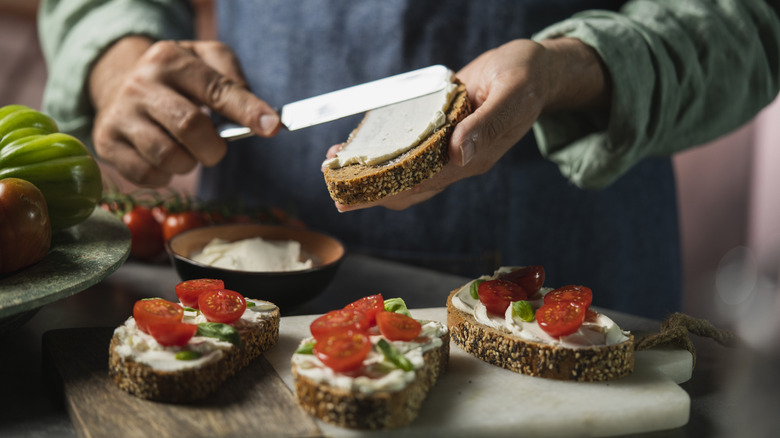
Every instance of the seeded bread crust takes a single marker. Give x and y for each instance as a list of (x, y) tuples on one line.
[(536, 358), (359, 183), (195, 384), (379, 410)]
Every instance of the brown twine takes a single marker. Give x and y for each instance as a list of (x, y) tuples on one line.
[(675, 332)]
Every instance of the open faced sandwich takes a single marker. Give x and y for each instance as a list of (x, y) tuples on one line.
[(396, 147), (181, 352), (369, 365), (510, 320)]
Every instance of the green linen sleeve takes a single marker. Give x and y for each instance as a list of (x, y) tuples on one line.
[(74, 33), (683, 73)]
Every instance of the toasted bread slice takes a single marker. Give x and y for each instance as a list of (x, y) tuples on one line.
[(358, 183), (384, 408), (538, 358), (190, 383)]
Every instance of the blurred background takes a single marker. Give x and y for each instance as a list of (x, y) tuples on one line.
[(728, 193)]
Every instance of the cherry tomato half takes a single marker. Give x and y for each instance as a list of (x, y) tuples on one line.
[(561, 318), (222, 305), (188, 291), (176, 223), (577, 294), (496, 295), (344, 351), (155, 311), (337, 321), (370, 305), (530, 278), (172, 333), (397, 326)]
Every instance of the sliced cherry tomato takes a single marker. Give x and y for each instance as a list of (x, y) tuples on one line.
[(561, 318), (146, 239), (172, 333), (176, 223), (496, 295), (591, 316), (155, 311), (344, 351), (188, 291), (397, 326), (577, 294), (530, 278), (222, 305), (337, 321), (370, 305)]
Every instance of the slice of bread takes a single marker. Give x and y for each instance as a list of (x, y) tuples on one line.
[(193, 383), (536, 358), (358, 183), (375, 409)]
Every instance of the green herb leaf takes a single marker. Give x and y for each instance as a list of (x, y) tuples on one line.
[(307, 348), (190, 309), (220, 331), (188, 355), (394, 356), (397, 305), (523, 310), (250, 304), (474, 288)]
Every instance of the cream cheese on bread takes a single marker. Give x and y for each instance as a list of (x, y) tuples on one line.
[(385, 133)]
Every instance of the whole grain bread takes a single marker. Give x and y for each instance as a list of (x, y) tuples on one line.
[(536, 358), (376, 410), (358, 183), (193, 384)]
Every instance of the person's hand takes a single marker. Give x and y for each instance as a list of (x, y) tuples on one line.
[(509, 87), (151, 104)]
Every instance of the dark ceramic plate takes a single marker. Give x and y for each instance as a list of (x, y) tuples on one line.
[(285, 289), (80, 257)]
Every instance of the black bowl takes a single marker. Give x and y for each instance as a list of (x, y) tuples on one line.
[(285, 289)]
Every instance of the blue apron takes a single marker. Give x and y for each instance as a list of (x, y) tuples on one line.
[(622, 241)]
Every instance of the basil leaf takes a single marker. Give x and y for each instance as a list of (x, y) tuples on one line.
[(220, 331), (188, 355), (397, 305), (394, 356), (190, 309), (307, 348), (250, 304), (523, 310), (474, 288)]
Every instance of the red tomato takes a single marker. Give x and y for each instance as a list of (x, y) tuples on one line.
[(159, 212), (337, 321), (398, 327), (156, 311), (496, 295), (223, 305), (344, 351), (146, 239), (172, 333), (577, 294), (561, 318), (531, 278), (369, 305), (175, 223), (25, 227), (188, 291)]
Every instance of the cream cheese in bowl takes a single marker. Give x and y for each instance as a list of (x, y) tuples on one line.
[(254, 254)]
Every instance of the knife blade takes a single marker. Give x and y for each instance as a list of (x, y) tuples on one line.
[(352, 100)]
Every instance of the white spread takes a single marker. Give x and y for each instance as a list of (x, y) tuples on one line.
[(388, 132), (254, 255), (375, 374), (602, 331), (143, 348)]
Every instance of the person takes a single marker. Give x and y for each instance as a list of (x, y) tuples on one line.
[(563, 163)]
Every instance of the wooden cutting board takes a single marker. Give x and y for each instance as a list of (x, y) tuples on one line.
[(472, 398)]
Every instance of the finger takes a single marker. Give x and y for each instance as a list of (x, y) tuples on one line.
[(156, 146), (129, 163), (220, 57)]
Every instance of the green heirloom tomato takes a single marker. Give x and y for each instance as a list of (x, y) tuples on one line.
[(31, 148), (25, 232)]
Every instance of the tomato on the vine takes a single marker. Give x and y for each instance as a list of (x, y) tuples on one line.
[(172, 333), (577, 294), (145, 233), (156, 311), (561, 318), (370, 305), (397, 326), (337, 321), (178, 222), (496, 295), (343, 351), (188, 291), (222, 305)]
